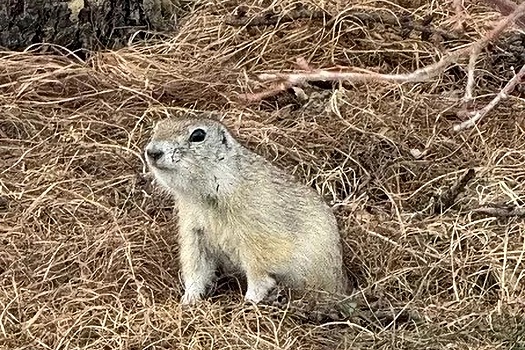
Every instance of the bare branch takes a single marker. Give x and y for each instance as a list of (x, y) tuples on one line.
[(366, 75), (504, 93), (405, 23), (269, 18), (478, 46), (258, 96)]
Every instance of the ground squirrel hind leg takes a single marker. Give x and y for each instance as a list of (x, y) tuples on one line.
[(198, 265)]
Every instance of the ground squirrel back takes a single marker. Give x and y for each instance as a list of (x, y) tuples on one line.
[(238, 211)]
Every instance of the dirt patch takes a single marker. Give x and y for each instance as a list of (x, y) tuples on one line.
[(89, 252)]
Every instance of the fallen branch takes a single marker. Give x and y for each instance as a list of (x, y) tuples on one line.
[(298, 79), (421, 74), (500, 211), (504, 93), (479, 45)]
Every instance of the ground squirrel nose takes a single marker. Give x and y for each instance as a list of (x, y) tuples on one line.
[(154, 154)]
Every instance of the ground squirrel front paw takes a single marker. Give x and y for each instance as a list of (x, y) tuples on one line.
[(191, 297), (258, 289)]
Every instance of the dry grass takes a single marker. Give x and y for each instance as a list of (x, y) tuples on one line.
[(88, 257)]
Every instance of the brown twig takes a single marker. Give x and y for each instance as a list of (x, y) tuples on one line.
[(500, 211), (504, 93), (448, 198)]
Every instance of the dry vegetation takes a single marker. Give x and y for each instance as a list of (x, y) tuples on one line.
[(88, 254)]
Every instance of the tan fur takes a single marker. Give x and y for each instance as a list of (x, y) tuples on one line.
[(238, 211)]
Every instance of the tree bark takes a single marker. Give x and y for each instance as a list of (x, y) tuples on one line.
[(81, 24)]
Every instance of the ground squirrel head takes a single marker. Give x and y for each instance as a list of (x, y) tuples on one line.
[(191, 154)]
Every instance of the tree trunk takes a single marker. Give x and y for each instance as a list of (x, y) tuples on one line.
[(81, 24)]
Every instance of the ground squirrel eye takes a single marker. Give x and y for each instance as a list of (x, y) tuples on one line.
[(197, 135)]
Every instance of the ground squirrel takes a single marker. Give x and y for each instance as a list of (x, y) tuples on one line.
[(238, 211)]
